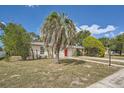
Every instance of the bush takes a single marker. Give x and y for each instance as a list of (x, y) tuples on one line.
[(77, 53), (91, 43), (7, 58)]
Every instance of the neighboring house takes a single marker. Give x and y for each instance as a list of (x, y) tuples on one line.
[(39, 50)]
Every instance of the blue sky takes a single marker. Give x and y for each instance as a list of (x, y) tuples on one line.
[(98, 19)]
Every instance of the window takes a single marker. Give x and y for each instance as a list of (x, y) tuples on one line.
[(41, 50)]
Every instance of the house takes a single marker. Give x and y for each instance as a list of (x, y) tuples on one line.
[(38, 50), (71, 51)]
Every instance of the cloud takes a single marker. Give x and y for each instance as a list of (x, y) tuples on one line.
[(77, 28), (111, 34), (3, 23), (120, 33), (96, 29), (106, 35), (32, 6)]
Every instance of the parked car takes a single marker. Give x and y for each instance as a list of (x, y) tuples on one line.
[(2, 54)]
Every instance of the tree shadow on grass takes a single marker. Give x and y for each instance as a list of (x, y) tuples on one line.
[(71, 61)]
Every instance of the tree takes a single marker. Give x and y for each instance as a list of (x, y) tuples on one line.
[(94, 45), (105, 41), (16, 40), (81, 35), (57, 32), (117, 43), (113, 44), (34, 36), (120, 43), (1, 49)]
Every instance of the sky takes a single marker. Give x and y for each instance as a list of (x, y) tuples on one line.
[(101, 21)]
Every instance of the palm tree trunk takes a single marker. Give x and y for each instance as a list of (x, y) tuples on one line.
[(52, 53), (37, 54), (48, 52), (32, 53), (57, 57)]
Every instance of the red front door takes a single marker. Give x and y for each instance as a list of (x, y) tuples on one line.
[(65, 52)]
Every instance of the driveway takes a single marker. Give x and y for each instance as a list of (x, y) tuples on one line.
[(115, 80)]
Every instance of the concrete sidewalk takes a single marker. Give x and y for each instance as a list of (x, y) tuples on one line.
[(99, 62), (113, 59), (115, 80)]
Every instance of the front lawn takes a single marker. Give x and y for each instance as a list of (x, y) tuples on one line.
[(44, 73)]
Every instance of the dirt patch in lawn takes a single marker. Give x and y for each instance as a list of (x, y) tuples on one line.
[(44, 73)]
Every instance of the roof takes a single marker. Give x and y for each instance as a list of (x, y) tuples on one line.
[(41, 43), (76, 47), (37, 43)]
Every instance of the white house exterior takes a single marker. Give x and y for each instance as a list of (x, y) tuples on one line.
[(69, 51), (40, 51)]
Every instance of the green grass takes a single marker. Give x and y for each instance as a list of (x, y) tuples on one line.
[(44, 73)]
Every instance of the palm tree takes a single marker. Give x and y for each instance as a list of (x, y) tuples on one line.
[(34, 36), (58, 31), (2, 25), (81, 35)]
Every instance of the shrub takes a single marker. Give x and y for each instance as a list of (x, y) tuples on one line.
[(91, 43)]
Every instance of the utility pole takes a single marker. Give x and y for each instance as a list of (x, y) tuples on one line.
[(109, 56), (109, 50), (109, 53)]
